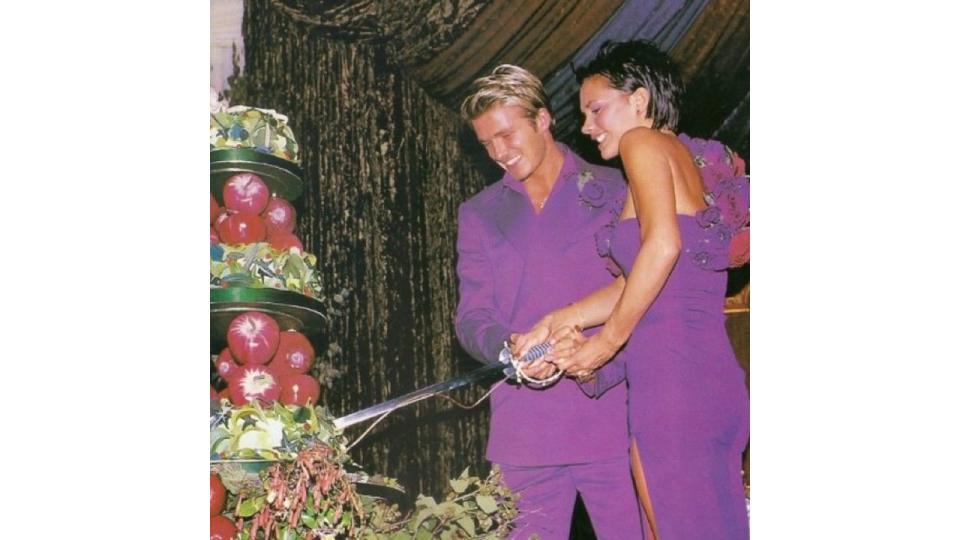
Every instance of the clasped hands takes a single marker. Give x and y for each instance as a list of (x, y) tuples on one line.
[(572, 352)]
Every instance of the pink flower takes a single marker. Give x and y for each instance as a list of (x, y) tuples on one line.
[(732, 199), (740, 248), (739, 167), (708, 216)]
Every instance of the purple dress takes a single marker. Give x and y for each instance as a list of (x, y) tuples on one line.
[(688, 408)]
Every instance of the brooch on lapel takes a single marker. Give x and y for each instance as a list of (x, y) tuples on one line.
[(591, 193)]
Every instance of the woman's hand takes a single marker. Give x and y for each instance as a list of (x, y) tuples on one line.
[(589, 356), (564, 342)]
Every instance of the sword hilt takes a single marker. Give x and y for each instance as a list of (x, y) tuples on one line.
[(506, 357), (513, 368)]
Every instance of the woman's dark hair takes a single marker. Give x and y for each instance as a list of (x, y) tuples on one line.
[(633, 64)]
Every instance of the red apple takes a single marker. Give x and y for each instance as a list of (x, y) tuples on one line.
[(279, 216), (298, 388), (261, 383), (214, 237), (221, 528), (213, 393), (242, 228), (221, 217), (226, 366), (253, 338), (282, 241), (295, 353), (214, 209), (218, 495), (225, 394), (245, 192)]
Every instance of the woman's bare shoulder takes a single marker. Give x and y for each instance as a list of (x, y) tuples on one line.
[(643, 141), (645, 144)]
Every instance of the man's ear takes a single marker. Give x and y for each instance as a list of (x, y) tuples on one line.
[(544, 119), (640, 101)]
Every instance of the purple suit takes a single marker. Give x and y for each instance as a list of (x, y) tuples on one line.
[(515, 266)]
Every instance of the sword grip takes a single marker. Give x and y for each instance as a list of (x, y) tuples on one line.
[(535, 352)]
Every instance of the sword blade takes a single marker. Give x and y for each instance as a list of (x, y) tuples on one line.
[(423, 393)]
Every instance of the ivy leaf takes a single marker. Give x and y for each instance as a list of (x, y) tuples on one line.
[(467, 524), (422, 515), (459, 485), (250, 507), (487, 503), (448, 509), (308, 520)]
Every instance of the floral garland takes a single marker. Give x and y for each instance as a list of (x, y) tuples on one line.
[(263, 130), (260, 265)]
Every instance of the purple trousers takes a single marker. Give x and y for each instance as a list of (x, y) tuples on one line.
[(547, 496)]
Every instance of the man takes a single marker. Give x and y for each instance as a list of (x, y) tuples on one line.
[(526, 246)]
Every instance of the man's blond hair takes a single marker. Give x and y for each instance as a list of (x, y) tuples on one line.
[(506, 85)]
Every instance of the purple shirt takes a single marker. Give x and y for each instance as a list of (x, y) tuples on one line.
[(514, 266)]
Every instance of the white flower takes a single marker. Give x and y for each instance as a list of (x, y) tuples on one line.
[(267, 435)]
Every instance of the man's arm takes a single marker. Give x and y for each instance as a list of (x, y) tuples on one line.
[(477, 323)]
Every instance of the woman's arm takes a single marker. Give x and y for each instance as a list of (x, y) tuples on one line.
[(646, 160), (587, 312)]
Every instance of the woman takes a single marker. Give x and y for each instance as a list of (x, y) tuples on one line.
[(688, 409)]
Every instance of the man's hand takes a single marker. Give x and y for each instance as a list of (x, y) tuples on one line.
[(541, 330)]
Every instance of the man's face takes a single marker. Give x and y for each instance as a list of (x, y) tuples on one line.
[(516, 142)]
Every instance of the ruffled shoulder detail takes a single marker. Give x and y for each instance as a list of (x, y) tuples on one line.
[(726, 219), (611, 202)]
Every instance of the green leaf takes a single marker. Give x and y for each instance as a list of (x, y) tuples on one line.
[(308, 520), (422, 515), (250, 507), (487, 503), (448, 509), (467, 525), (460, 485)]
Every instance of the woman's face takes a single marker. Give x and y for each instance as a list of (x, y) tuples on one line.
[(608, 114)]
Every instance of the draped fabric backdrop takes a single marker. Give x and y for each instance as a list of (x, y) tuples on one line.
[(371, 89)]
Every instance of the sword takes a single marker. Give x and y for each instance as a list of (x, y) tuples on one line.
[(504, 368)]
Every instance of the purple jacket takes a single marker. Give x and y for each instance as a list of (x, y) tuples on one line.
[(515, 266)]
